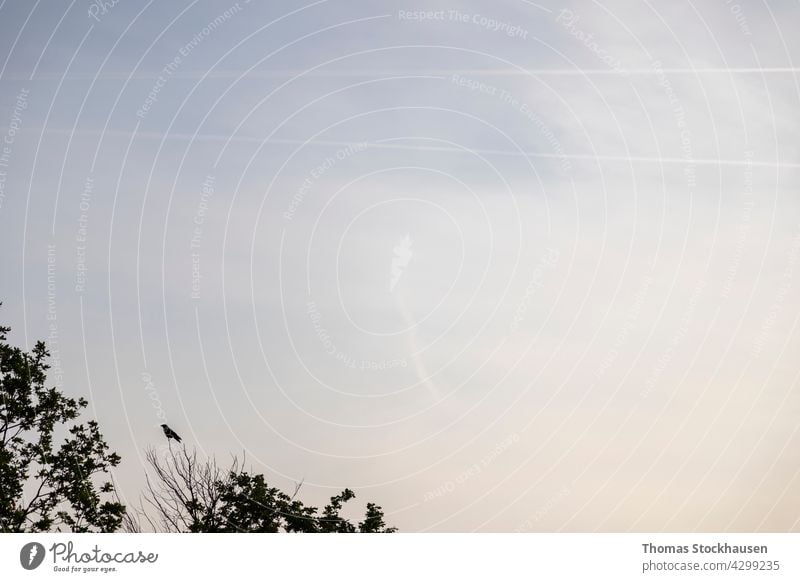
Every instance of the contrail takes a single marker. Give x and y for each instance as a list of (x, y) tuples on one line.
[(413, 347), (396, 146), (288, 73)]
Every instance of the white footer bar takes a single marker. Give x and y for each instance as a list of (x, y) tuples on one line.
[(381, 557)]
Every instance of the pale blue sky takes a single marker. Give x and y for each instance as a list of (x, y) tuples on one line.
[(545, 292)]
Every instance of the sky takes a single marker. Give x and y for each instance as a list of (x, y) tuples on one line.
[(496, 266)]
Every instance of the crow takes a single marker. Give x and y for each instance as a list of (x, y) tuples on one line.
[(170, 434)]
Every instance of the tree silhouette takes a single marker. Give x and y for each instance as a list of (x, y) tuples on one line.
[(45, 486), (186, 494), (51, 464)]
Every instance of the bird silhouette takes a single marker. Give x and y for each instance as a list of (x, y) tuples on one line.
[(170, 434)]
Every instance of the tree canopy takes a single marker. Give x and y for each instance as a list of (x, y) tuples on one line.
[(45, 486), (186, 494), (54, 474)]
